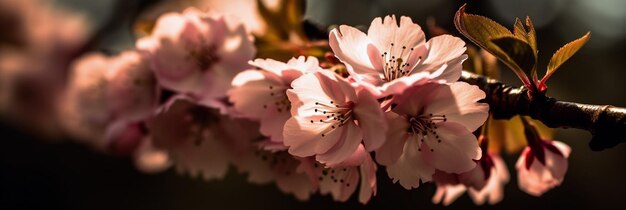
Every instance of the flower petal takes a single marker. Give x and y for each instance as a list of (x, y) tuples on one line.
[(458, 102), (385, 32), (272, 124), (251, 94), (391, 150), (368, 180), (349, 140), (444, 50), (302, 137), (411, 168), (455, 150), (351, 46), (371, 119)]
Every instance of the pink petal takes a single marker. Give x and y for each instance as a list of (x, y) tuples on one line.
[(456, 151), (169, 61), (351, 46), (272, 124), (368, 180), (341, 183), (398, 86), (474, 178), (446, 194), (349, 140), (556, 163), (208, 159), (413, 99), (458, 102), (397, 134), (371, 119), (494, 190), (384, 32), (252, 96), (411, 168), (540, 178), (444, 50), (301, 137), (131, 88)]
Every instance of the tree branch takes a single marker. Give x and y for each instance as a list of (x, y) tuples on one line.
[(606, 123)]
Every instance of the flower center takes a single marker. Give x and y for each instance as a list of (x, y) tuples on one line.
[(202, 120), (425, 127), (279, 98), (280, 162), (334, 114), (398, 65), (205, 57)]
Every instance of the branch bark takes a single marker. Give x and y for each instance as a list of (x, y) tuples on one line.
[(606, 123)]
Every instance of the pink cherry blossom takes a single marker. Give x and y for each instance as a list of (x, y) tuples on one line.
[(198, 53), (261, 94), (542, 167), (330, 119), (484, 182), (493, 191), (40, 41), (245, 10), (340, 181), (104, 96), (293, 175), (390, 57), (431, 128), (200, 141), (131, 87), (83, 105)]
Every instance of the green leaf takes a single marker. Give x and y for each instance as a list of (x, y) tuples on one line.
[(478, 29), (517, 53), (483, 31), (563, 54)]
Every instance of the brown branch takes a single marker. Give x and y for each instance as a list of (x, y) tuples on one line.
[(606, 123)]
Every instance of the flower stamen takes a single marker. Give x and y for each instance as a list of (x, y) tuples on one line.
[(425, 127), (335, 114)]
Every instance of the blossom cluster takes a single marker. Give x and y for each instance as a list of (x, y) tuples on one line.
[(193, 95)]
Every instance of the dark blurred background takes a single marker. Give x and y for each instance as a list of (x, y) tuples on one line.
[(38, 174)]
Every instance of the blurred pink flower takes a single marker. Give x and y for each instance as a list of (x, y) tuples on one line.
[(292, 174), (330, 118), (245, 10), (486, 182), (446, 194), (431, 128), (35, 50), (392, 57), (261, 94), (199, 140), (542, 166), (198, 53), (131, 87), (493, 190), (83, 111), (104, 95)]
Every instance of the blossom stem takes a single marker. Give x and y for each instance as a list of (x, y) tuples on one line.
[(605, 122)]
